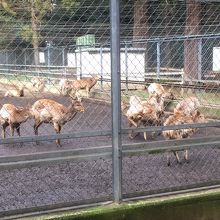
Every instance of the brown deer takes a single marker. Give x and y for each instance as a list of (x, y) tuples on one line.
[(17, 92), (13, 116), (50, 111), (62, 85), (87, 84), (179, 118), (38, 83), (158, 89), (65, 87), (188, 105), (148, 113), (153, 112)]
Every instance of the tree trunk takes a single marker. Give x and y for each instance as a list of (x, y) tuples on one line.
[(191, 46), (35, 39), (167, 58), (141, 28)]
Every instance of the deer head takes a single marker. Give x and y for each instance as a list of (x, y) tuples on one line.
[(77, 103)]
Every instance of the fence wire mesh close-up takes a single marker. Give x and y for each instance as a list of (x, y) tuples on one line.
[(107, 100)]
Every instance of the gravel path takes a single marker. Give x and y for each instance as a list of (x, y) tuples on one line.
[(73, 181)]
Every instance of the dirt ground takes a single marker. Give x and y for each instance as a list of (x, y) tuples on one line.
[(74, 181)]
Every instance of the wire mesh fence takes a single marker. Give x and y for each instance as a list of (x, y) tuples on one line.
[(59, 75)]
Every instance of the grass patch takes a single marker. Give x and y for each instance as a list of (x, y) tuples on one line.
[(186, 206)]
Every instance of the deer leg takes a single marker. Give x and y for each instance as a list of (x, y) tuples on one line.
[(132, 122), (61, 91), (12, 128), (131, 132), (57, 128), (17, 127), (4, 126), (186, 156), (168, 158), (87, 92), (36, 126), (177, 156), (145, 135)]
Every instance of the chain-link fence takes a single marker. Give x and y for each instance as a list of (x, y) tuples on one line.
[(84, 133)]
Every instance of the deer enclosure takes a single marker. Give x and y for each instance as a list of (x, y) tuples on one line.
[(107, 101)]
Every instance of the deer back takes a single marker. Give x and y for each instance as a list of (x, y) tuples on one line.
[(155, 88), (47, 109), (188, 105), (135, 107), (15, 115)]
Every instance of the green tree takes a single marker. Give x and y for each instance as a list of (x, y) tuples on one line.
[(20, 12), (29, 15)]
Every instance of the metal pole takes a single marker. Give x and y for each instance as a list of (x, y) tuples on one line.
[(63, 60), (101, 66), (126, 67), (116, 101), (158, 59), (80, 62), (48, 56), (25, 60), (200, 59), (7, 60)]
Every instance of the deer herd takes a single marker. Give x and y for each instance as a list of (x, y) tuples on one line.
[(151, 112), (45, 110), (139, 113)]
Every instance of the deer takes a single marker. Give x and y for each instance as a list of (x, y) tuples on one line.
[(87, 84), (13, 116), (188, 105), (62, 85), (147, 113), (38, 83), (178, 118), (50, 111), (65, 87), (158, 89), (153, 113), (17, 92)]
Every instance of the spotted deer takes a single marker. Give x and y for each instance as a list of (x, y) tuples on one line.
[(146, 113), (87, 84), (38, 83), (188, 105), (13, 117), (17, 92), (50, 111), (158, 89), (180, 118)]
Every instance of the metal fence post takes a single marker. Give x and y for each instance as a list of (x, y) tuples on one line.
[(200, 59), (101, 66), (6, 56), (80, 62), (126, 67), (116, 101), (25, 60), (48, 56), (63, 60), (158, 59)]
